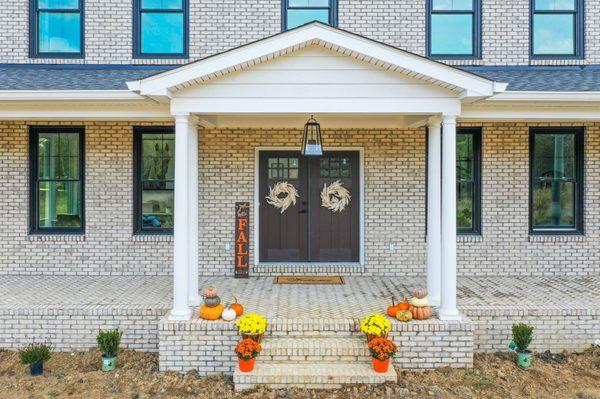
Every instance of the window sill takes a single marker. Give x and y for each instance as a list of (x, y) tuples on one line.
[(556, 238), (469, 238), (152, 238), (56, 237)]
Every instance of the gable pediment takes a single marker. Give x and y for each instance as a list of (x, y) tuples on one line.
[(329, 47)]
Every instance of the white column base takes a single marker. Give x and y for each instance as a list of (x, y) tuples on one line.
[(450, 316), (434, 301), (175, 315)]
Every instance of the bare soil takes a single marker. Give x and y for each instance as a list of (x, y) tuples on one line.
[(77, 375)]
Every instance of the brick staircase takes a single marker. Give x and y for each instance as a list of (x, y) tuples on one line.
[(313, 359)]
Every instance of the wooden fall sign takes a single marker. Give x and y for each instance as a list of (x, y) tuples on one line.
[(242, 239)]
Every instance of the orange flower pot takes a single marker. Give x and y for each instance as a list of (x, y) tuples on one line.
[(381, 366), (246, 365)]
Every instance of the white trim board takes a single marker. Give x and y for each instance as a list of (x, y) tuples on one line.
[(361, 212)]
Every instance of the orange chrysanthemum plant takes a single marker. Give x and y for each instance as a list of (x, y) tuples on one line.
[(382, 350), (247, 350)]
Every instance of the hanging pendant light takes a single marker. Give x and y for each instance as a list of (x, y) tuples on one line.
[(312, 142)]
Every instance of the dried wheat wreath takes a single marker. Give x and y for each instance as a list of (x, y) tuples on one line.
[(336, 197), (286, 201)]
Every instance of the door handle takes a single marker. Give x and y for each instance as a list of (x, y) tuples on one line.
[(302, 211)]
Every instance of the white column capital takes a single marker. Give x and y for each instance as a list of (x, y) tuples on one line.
[(182, 118), (434, 121), (449, 119)]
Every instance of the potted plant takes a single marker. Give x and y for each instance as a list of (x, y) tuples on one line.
[(375, 325), (35, 354), (108, 343), (522, 336), (247, 350), (252, 325), (382, 351)]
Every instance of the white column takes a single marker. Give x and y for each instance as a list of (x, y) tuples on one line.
[(434, 210), (448, 310), (193, 295), (180, 310)]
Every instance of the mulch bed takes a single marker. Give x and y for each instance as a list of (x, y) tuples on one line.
[(77, 375)]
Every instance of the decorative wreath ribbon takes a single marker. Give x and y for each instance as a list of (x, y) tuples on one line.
[(336, 197), (282, 202)]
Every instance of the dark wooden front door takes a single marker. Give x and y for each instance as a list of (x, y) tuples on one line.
[(308, 232)]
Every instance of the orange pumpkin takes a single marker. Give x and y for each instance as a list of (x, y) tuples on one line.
[(420, 313), (404, 305), (239, 309), (211, 313), (392, 310)]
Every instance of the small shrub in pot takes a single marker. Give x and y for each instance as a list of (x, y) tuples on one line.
[(35, 354), (108, 343), (522, 336)]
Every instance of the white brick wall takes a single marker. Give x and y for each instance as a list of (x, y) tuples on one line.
[(394, 164), (220, 25)]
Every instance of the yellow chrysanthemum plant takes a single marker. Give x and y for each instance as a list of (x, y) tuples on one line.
[(375, 325), (252, 325)]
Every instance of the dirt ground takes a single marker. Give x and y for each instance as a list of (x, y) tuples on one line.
[(77, 375)]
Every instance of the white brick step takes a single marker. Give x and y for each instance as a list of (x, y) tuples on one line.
[(301, 349), (311, 375)]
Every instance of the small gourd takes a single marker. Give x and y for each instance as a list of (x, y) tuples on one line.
[(404, 316), (419, 293), (419, 302), (239, 309), (228, 314), (211, 312), (421, 313), (210, 292)]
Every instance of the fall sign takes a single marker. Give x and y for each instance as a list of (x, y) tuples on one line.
[(242, 239)]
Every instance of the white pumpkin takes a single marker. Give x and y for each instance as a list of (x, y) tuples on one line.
[(228, 314), (419, 302)]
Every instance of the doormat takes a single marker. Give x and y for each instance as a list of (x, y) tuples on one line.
[(314, 280)]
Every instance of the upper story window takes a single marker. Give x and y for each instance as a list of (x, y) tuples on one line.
[(468, 180), (557, 28), (56, 179), (154, 168), (454, 28), (56, 28), (160, 28), (300, 12), (556, 190)]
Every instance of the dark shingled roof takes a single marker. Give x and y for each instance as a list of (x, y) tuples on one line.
[(73, 77), (543, 78), (113, 77)]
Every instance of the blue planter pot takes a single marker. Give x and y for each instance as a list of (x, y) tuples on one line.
[(109, 363), (524, 359), (36, 368)]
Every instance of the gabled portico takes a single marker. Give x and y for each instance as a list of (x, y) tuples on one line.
[(341, 78)]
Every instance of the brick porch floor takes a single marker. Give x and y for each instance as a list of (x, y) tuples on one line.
[(365, 294)]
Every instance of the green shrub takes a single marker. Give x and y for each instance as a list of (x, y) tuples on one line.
[(35, 353), (109, 341), (522, 336)]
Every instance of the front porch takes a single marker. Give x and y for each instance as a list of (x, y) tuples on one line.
[(68, 311)]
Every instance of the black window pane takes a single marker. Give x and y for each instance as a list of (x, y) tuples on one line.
[(553, 204), (59, 204), (554, 156), (452, 34), (157, 209), (464, 206)]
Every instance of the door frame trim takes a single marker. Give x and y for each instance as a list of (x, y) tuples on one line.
[(361, 211)]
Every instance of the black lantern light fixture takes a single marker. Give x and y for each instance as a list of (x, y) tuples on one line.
[(312, 142)]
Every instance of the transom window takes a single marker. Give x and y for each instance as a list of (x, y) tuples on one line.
[(56, 184), (56, 28), (468, 180), (454, 28), (160, 28), (300, 12), (557, 28), (154, 167), (556, 191)]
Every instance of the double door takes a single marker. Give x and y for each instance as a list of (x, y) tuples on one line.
[(308, 231)]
